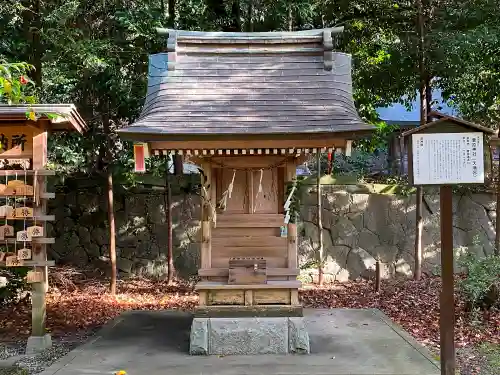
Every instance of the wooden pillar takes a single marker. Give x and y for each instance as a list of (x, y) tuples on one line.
[(39, 289), (402, 153), (447, 301), (320, 221), (290, 171), (497, 221), (206, 219)]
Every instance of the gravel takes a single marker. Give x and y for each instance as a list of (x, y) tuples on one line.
[(13, 353)]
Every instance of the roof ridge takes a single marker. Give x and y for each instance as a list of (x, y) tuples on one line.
[(250, 35)]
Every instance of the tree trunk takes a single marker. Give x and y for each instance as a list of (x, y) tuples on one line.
[(168, 213), (423, 119), (320, 223), (249, 25), (111, 210), (171, 13), (36, 44), (290, 16), (497, 236), (31, 28), (112, 237)]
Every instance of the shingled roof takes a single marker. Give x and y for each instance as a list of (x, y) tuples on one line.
[(248, 83)]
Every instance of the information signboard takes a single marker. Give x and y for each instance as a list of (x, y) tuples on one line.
[(448, 158)]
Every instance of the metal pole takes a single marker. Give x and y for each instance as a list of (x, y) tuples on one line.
[(447, 301)]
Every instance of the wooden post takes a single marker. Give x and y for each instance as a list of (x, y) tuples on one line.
[(402, 152), (112, 231), (292, 227), (168, 211), (447, 301), (320, 222), (39, 338), (378, 275), (206, 243), (418, 234), (497, 224)]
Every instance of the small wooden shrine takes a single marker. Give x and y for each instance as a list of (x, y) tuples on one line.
[(23, 196), (248, 108)]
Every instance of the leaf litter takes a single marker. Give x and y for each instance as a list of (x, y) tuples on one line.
[(79, 303)]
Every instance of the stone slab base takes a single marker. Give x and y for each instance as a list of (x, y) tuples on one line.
[(253, 311), (38, 343), (249, 336)]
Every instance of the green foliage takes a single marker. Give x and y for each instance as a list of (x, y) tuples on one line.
[(95, 54), (482, 282), (15, 85), (14, 370), (16, 284), (379, 140), (491, 352)]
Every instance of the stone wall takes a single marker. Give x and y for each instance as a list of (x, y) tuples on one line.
[(82, 235), (357, 229)]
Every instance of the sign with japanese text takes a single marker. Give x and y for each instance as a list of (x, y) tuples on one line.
[(24, 254), (13, 261), (448, 158), (35, 231), (16, 141)]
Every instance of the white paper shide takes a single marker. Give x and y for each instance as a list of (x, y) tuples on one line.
[(448, 158)]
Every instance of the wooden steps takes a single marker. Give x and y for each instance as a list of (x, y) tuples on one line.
[(279, 284), (282, 292), (250, 220), (219, 261), (224, 272), (249, 241)]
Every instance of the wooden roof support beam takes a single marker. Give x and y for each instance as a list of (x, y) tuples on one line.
[(172, 50), (328, 50)]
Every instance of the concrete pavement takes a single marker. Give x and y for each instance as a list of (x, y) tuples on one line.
[(343, 341)]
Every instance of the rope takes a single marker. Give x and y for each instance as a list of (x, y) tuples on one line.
[(227, 194), (289, 198), (212, 207), (259, 190), (272, 166), (231, 185), (288, 202)]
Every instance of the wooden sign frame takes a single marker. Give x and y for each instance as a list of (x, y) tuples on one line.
[(443, 127), (447, 125)]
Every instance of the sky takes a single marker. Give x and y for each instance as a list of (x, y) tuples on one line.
[(397, 113)]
